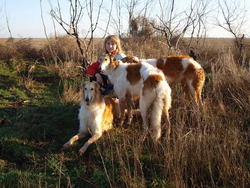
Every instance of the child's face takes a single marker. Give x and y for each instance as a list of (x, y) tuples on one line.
[(110, 46)]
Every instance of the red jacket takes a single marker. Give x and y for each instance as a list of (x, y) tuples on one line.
[(93, 68)]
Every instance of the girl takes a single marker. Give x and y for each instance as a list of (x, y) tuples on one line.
[(112, 45)]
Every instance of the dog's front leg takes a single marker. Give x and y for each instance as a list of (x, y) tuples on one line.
[(73, 140), (95, 137)]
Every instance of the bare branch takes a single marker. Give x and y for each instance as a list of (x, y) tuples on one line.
[(109, 17), (7, 22), (233, 20)]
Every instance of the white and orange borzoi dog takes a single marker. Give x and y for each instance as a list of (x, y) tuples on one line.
[(182, 69), (140, 80), (96, 114)]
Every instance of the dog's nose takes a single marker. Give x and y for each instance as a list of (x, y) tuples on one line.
[(87, 99)]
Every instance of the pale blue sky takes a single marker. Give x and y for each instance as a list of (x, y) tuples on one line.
[(24, 17)]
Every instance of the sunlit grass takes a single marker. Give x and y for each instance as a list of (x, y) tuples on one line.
[(208, 147)]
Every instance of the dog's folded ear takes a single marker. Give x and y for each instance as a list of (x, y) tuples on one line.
[(82, 85), (96, 84)]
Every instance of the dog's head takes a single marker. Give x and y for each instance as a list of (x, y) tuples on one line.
[(90, 91), (108, 62)]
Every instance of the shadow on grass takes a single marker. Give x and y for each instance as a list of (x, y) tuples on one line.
[(31, 134)]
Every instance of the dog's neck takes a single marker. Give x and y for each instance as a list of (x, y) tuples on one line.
[(115, 70)]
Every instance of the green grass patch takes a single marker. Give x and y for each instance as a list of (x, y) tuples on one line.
[(206, 149)]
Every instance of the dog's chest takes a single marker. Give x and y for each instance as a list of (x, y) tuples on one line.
[(91, 114)]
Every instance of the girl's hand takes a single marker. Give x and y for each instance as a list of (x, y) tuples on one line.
[(99, 78)]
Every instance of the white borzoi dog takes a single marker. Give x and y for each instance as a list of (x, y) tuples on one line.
[(182, 69), (140, 80), (96, 114)]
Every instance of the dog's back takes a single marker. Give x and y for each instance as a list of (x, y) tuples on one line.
[(145, 81), (182, 69)]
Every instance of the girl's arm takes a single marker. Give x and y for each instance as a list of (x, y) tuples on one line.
[(93, 71)]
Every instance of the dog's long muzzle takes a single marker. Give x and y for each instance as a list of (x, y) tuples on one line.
[(87, 100)]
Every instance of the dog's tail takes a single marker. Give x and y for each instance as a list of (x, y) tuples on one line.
[(167, 105), (162, 104)]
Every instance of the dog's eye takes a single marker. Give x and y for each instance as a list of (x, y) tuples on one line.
[(92, 89), (85, 88)]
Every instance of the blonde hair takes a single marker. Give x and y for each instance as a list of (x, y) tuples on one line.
[(116, 40)]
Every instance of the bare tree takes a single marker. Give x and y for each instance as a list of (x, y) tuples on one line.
[(166, 18), (6, 20), (140, 22), (198, 28), (141, 27), (93, 22), (232, 20), (71, 28), (118, 16), (175, 24), (117, 21), (109, 17), (131, 5), (76, 11)]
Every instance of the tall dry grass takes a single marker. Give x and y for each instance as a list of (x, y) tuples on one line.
[(18, 49), (207, 148)]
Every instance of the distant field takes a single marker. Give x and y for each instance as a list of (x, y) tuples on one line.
[(38, 43)]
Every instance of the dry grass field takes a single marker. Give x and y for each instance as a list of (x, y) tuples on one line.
[(39, 103), (131, 47)]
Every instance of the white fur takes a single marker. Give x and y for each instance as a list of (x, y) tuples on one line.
[(91, 116), (185, 62), (153, 101)]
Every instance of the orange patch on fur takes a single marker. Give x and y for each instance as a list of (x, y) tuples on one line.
[(129, 59), (199, 80), (133, 75), (189, 73), (114, 64), (196, 75), (151, 82), (172, 67)]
